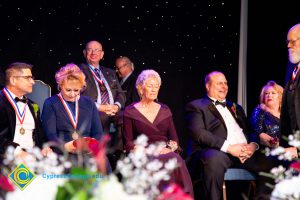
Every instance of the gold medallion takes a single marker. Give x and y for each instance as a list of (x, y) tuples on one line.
[(22, 131), (75, 135)]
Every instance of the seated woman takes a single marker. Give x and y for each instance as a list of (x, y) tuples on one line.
[(265, 117), (67, 115), (155, 121)]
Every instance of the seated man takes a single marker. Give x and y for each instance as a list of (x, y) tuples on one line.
[(220, 131), (20, 125)]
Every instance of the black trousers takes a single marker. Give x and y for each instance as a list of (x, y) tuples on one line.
[(210, 165)]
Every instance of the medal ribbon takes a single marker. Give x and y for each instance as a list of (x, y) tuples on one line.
[(73, 117), (95, 76), (20, 116)]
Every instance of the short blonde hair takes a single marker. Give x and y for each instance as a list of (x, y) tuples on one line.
[(276, 87), (70, 72)]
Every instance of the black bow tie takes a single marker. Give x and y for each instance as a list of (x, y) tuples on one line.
[(220, 103), (24, 99)]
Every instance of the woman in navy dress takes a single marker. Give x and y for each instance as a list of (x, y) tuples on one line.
[(154, 120), (67, 116)]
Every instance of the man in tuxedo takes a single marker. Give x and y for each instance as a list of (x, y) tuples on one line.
[(220, 135), (290, 109), (104, 88), (1, 80), (20, 125), (125, 70)]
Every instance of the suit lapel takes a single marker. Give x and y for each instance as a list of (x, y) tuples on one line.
[(215, 111)]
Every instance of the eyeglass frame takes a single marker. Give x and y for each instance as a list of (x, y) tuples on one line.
[(89, 50), (292, 41), (119, 68), (25, 77)]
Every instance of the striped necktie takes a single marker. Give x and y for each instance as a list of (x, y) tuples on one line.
[(103, 90), (295, 71)]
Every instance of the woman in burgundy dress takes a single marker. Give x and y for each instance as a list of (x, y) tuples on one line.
[(155, 121)]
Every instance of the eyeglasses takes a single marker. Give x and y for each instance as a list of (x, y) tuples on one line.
[(292, 41), (93, 50), (25, 77), (119, 68)]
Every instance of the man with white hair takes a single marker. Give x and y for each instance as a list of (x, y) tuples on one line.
[(125, 70)]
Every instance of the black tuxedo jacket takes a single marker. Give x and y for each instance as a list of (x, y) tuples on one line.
[(207, 127), (130, 90), (112, 80), (285, 118), (8, 125)]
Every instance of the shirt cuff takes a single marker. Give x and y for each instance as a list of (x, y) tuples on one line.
[(118, 104), (257, 146), (225, 146)]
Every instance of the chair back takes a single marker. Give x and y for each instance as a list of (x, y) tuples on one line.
[(40, 92)]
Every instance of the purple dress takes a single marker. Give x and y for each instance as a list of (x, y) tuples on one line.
[(162, 129)]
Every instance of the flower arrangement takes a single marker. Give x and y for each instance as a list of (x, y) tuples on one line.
[(141, 174), (287, 181)]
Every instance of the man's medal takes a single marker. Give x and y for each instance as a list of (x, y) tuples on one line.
[(20, 115)]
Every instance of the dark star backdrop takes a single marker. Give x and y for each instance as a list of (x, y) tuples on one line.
[(182, 40)]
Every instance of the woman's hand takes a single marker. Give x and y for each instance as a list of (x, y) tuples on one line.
[(165, 151), (267, 140), (171, 144), (69, 147)]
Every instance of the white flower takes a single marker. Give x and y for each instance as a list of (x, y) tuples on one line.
[(171, 164), (287, 189), (154, 165), (142, 140)]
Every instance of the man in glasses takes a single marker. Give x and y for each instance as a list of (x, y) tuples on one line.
[(125, 70), (20, 125), (104, 88)]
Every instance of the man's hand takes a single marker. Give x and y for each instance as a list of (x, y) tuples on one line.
[(292, 151), (108, 109), (46, 151), (236, 149), (247, 151)]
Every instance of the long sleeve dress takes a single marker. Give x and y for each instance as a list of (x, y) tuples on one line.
[(162, 129)]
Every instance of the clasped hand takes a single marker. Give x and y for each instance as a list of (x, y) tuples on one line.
[(108, 109), (242, 151)]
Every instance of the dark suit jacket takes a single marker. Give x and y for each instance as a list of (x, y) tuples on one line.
[(285, 121), (130, 90), (8, 125), (207, 127), (111, 78), (58, 126)]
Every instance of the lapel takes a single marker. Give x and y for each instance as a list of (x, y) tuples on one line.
[(215, 111), (10, 113), (89, 77)]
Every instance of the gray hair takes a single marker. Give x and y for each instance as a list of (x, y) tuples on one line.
[(146, 74)]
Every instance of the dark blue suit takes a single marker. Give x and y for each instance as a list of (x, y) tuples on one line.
[(58, 126)]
